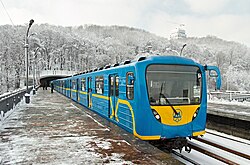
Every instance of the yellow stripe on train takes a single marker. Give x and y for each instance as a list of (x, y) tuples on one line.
[(125, 102)]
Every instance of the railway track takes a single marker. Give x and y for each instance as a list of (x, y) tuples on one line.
[(224, 148), (185, 157), (217, 150), (212, 150), (211, 154), (209, 132)]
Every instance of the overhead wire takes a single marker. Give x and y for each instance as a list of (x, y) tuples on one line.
[(7, 13)]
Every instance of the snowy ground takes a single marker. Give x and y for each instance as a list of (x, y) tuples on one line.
[(58, 131), (11, 92), (226, 102), (241, 145), (233, 109)]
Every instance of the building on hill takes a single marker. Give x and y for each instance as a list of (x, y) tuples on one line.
[(178, 33)]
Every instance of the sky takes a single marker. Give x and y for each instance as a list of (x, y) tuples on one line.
[(226, 19)]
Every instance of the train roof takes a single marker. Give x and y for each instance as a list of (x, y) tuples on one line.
[(142, 59), (171, 60)]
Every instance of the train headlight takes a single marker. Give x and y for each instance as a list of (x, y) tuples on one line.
[(196, 113), (156, 115)]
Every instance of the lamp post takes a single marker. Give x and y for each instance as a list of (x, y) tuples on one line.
[(26, 46), (182, 48), (33, 62)]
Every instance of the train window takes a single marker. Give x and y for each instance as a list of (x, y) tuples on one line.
[(73, 84), (116, 86), (99, 84), (130, 85), (111, 86), (174, 84), (90, 83), (83, 84)]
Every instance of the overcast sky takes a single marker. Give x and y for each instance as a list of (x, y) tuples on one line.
[(226, 19)]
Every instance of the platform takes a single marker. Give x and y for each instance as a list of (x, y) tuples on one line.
[(239, 112), (230, 119), (53, 129)]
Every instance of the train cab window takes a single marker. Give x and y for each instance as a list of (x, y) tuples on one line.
[(99, 84), (83, 84), (130, 85), (116, 86), (174, 84)]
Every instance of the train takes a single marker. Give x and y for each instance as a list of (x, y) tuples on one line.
[(156, 98)]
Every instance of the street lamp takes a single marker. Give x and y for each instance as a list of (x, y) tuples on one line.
[(33, 69), (26, 46), (182, 48)]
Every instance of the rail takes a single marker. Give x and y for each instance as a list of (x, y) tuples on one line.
[(211, 154), (185, 158), (224, 148)]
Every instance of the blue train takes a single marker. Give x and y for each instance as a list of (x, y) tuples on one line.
[(154, 98)]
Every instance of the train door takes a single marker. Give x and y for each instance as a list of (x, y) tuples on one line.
[(64, 87), (89, 92), (113, 94), (70, 86), (77, 89)]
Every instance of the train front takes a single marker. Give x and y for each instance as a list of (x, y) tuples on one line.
[(176, 89)]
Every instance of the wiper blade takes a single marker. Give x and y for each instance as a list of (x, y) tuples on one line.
[(171, 106), (161, 95)]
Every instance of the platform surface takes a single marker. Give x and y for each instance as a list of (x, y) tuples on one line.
[(241, 112), (53, 129)]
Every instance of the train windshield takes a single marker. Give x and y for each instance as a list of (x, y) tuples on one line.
[(173, 84)]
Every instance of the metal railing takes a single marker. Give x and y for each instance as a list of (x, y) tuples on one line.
[(238, 96), (8, 101)]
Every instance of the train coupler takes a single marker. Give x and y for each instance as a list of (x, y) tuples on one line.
[(177, 143)]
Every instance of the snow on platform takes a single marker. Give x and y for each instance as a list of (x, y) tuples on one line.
[(52, 129), (233, 109)]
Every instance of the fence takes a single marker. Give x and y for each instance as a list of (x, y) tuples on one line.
[(7, 102), (231, 95)]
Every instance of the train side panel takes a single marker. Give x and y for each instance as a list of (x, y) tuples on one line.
[(120, 94)]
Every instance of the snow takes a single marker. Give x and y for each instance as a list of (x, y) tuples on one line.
[(229, 143), (226, 102), (59, 147), (54, 146), (11, 92), (80, 148), (4, 116), (242, 146), (235, 109)]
